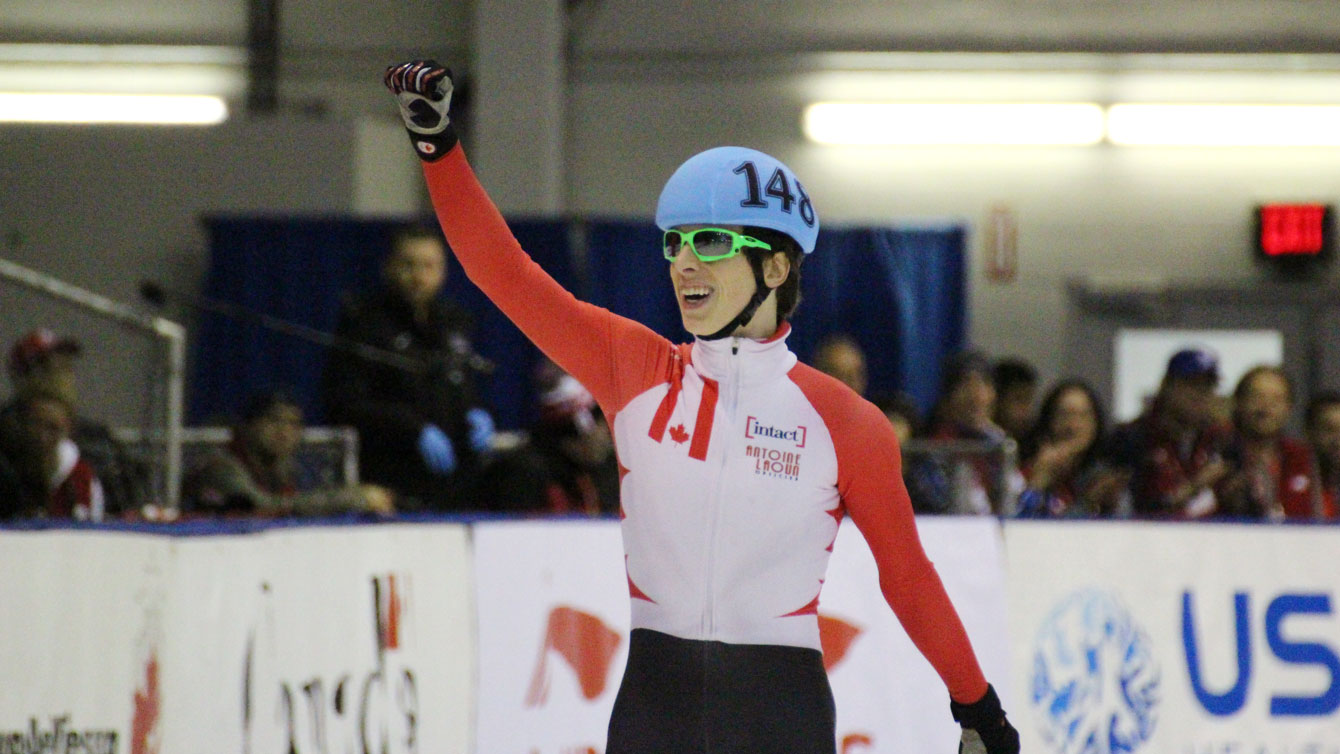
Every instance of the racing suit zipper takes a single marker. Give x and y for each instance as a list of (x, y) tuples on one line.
[(730, 400)]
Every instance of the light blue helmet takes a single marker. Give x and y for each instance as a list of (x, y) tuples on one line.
[(738, 186)]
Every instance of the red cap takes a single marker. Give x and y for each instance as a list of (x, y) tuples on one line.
[(37, 346)]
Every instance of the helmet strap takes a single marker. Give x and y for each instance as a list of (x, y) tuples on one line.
[(761, 291)]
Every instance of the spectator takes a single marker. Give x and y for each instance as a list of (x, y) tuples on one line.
[(1323, 433), (43, 360), (47, 474), (901, 412), (841, 356), (257, 473), (958, 480), (567, 465), (1061, 463), (421, 431), (1273, 475), (1174, 451), (1016, 384)]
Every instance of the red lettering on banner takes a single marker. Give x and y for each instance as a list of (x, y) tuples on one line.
[(389, 604), (852, 740), (144, 724)]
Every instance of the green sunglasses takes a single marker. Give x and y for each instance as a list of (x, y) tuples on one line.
[(709, 244)]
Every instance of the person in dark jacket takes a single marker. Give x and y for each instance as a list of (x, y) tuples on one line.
[(1175, 450), (421, 428)]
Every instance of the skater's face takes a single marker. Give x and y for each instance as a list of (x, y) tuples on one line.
[(711, 294)]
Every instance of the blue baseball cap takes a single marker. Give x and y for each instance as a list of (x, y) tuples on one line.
[(1192, 363), (738, 186)]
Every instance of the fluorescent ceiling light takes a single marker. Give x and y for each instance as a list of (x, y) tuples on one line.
[(929, 123), (123, 69), (1224, 125), (42, 52), (27, 107)]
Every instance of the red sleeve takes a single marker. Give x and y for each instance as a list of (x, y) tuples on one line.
[(614, 357), (870, 482)]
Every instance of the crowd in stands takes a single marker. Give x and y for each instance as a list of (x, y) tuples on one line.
[(1189, 455), (996, 441)]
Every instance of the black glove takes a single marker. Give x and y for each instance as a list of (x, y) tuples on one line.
[(423, 89), (985, 729)]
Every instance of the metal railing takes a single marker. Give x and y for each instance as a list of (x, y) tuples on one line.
[(328, 454), (169, 483), (963, 476)]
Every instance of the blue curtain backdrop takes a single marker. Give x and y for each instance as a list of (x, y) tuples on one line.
[(900, 292), (299, 270)]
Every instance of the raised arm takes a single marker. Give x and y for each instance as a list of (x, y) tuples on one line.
[(612, 356)]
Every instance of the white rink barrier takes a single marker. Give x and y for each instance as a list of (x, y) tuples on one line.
[(509, 637), (1177, 638), (553, 616), (323, 639)]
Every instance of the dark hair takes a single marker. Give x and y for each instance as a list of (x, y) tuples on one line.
[(902, 404), (1009, 372), (418, 231), (1245, 382), (957, 367), (1050, 405), (1319, 403), (954, 371), (262, 402), (788, 293)]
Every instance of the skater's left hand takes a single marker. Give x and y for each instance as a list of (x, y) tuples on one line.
[(985, 729)]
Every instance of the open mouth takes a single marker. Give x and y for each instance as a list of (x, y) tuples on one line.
[(695, 295)]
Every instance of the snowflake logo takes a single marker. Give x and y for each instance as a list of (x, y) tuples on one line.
[(1095, 682)]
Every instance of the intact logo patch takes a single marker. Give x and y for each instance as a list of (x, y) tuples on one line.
[(754, 430)]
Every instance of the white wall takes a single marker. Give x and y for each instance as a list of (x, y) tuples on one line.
[(107, 207), (104, 208), (1127, 213)]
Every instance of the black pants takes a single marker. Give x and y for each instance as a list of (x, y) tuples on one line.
[(706, 697)]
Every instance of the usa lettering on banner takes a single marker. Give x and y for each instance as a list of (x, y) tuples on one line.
[(1225, 642)]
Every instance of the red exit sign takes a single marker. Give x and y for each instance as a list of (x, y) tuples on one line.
[(1293, 230)]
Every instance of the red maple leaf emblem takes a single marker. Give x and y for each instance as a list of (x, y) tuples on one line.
[(678, 434)]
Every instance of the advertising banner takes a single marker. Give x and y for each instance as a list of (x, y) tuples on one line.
[(325, 639), (552, 601), (1175, 638), (82, 639), (290, 641), (553, 612), (889, 698)]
